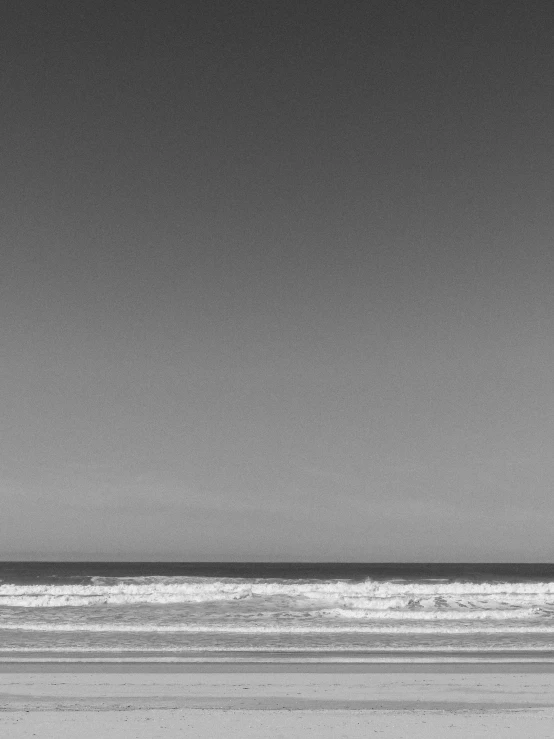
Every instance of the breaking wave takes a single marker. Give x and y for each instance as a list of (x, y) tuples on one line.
[(369, 599)]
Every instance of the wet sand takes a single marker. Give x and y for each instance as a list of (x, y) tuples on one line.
[(149, 701)]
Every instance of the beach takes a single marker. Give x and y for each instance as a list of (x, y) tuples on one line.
[(65, 700), (240, 650)]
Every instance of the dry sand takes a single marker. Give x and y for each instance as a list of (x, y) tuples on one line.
[(48, 702)]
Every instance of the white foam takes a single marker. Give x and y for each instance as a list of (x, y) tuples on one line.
[(370, 594), (439, 615), (201, 628)]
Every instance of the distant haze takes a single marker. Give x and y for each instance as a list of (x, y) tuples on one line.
[(277, 284)]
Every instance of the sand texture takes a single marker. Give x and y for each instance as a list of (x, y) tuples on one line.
[(249, 704)]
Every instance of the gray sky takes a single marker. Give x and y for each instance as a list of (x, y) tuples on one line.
[(276, 283)]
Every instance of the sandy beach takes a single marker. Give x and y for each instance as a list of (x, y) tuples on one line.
[(143, 701)]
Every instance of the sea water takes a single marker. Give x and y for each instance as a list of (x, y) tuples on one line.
[(196, 612)]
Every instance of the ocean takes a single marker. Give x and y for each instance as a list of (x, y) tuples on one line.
[(294, 612)]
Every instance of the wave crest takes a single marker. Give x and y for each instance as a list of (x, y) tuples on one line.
[(371, 600)]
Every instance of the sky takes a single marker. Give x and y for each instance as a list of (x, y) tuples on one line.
[(276, 281)]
